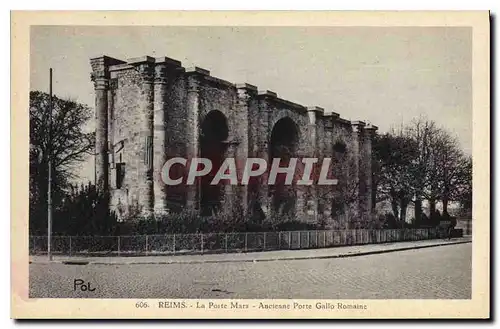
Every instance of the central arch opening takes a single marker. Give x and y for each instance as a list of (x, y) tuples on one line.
[(213, 137), (284, 145)]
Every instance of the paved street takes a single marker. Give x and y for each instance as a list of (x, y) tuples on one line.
[(438, 272)]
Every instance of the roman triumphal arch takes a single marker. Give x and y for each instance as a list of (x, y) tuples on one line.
[(150, 110)]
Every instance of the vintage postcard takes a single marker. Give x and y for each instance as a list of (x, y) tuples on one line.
[(241, 165)]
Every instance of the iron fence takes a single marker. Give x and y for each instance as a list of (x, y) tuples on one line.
[(222, 242)]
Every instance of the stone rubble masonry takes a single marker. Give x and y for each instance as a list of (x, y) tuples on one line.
[(151, 109)]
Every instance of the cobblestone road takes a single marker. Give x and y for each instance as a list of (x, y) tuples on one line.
[(439, 272)]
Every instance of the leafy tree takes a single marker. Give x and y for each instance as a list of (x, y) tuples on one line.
[(67, 146)]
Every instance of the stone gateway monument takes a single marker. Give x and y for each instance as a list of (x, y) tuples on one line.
[(149, 110)]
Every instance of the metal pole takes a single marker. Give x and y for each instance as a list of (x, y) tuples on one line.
[(49, 190), (174, 244)]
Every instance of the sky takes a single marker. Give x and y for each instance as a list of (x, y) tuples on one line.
[(383, 75)]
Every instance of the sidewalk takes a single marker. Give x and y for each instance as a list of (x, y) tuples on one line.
[(336, 252)]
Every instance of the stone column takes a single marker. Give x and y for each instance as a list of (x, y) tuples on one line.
[(195, 77), (328, 193), (229, 193), (263, 141), (245, 93), (301, 194), (103, 107), (145, 67), (165, 74), (370, 132), (100, 77), (111, 157), (101, 141), (307, 197), (357, 135), (159, 139)]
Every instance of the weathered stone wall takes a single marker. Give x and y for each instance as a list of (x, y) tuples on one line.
[(158, 99), (128, 146)]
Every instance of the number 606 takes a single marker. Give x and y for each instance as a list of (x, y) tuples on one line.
[(141, 305)]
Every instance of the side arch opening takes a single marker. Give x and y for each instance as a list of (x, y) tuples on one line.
[(213, 145), (284, 144)]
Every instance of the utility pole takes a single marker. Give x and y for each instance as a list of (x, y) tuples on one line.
[(49, 191)]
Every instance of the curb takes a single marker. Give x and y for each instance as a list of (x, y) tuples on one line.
[(341, 255)]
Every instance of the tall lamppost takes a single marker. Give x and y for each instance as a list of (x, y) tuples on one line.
[(49, 190)]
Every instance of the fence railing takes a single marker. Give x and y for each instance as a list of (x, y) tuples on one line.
[(222, 242)]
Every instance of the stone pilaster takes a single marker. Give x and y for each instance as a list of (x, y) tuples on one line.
[(145, 67), (357, 142), (195, 77)]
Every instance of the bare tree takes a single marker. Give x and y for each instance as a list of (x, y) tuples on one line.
[(463, 190), (424, 133), (395, 157), (446, 170), (420, 161)]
